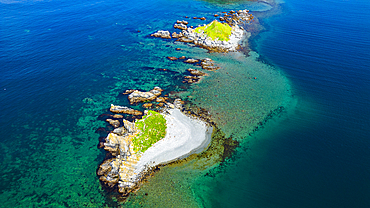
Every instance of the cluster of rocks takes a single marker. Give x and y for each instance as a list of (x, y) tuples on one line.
[(181, 25), (119, 168), (208, 64), (162, 34), (172, 58), (188, 34), (194, 77), (125, 110), (236, 18), (201, 18), (160, 103), (137, 96)]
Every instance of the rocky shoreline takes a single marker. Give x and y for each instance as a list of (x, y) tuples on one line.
[(126, 166)]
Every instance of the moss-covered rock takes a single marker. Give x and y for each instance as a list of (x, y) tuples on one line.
[(216, 30), (151, 128)]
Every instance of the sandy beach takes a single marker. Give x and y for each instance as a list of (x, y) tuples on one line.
[(184, 136)]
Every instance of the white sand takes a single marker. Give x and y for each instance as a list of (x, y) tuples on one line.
[(185, 136)]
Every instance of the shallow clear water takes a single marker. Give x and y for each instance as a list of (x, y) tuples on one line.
[(64, 63)]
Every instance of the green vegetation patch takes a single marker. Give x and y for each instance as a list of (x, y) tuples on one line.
[(152, 128), (216, 29)]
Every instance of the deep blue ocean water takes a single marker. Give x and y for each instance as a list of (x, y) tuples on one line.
[(55, 54)]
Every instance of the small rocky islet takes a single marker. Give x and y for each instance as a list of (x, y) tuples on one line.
[(136, 148), (217, 36)]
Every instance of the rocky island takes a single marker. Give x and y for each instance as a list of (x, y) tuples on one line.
[(215, 36), (137, 147)]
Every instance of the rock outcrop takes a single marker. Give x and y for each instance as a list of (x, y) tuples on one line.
[(162, 34), (196, 72), (180, 26), (138, 96), (203, 40), (189, 35), (125, 110), (208, 64), (238, 17), (191, 61), (176, 35), (114, 123)]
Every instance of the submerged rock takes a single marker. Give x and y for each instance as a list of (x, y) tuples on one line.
[(178, 103), (208, 64), (172, 58), (196, 72)]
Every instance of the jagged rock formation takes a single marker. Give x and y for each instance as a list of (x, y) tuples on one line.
[(208, 64), (124, 109), (196, 76), (138, 96), (191, 61), (190, 35), (162, 34), (237, 18), (180, 26), (196, 72)]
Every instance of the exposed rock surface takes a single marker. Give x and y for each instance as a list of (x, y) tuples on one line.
[(191, 79), (180, 26), (236, 18), (201, 39), (160, 100), (172, 58), (114, 123), (196, 72), (191, 61), (208, 64), (188, 34), (176, 35), (196, 76), (138, 96), (182, 22), (162, 34), (124, 109)]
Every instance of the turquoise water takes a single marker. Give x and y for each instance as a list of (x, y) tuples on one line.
[(64, 63)]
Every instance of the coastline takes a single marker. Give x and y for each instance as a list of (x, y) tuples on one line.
[(128, 165)]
